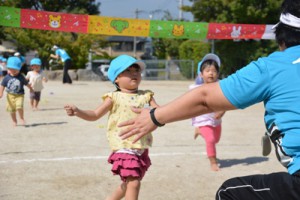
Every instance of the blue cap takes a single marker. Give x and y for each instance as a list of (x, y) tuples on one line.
[(36, 61), (120, 63), (209, 56), (13, 63), (4, 59)]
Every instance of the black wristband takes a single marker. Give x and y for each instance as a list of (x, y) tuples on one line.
[(154, 119)]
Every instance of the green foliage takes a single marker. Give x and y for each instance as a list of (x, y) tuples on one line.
[(41, 41), (77, 45), (159, 48), (192, 50), (233, 54), (236, 11), (164, 48), (78, 48), (69, 6)]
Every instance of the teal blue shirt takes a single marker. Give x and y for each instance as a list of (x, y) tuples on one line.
[(62, 54), (274, 80)]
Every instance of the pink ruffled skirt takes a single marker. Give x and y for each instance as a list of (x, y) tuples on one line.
[(129, 165)]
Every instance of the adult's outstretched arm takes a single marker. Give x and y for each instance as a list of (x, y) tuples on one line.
[(205, 99)]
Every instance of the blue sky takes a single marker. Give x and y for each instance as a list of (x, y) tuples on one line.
[(127, 8)]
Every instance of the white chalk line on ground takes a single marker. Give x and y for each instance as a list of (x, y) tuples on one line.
[(89, 158)]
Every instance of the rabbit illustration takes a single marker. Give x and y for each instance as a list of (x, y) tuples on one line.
[(236, 32)]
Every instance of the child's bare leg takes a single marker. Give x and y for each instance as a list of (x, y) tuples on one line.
[(14, 118), (21, 114), (36, 103), (32, 104), (119, 193), (133, 188), (196, 133), (214, 163)]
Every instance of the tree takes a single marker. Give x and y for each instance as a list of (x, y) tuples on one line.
[(235, 11), (192, 50), (164, 48), (77, 45), (69, 6), (235, 54)]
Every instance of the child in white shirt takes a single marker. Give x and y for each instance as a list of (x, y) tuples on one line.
[(36, 78)]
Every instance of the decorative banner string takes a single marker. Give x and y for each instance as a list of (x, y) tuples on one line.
[(113, 26)]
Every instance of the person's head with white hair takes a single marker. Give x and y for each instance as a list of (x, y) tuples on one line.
[(54, 47), (17, 54)]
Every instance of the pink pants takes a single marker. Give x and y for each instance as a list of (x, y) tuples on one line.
[(211, 136)]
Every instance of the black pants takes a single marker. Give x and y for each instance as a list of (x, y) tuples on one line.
[(66, 76), (275, 186)]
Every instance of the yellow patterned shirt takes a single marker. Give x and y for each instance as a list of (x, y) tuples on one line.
[(120, 112)]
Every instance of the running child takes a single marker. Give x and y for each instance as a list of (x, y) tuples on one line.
[(14, 83), (209, 125), (129, 161), (36, 78)]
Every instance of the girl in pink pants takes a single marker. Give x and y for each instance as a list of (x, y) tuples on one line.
[(209, 125), (211, 136)]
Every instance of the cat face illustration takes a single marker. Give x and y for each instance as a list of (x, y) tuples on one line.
[(54, 21), (178, 30)]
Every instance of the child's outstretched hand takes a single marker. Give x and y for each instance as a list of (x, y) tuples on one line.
[(71, 110)]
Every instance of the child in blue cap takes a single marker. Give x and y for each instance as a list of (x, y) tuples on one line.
[(129, 161), (209, 125), (36, 78), (14, 83), (3, 66)]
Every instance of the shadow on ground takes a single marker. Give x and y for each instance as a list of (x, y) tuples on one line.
[(44, 124), (47, 109), (245, 161)]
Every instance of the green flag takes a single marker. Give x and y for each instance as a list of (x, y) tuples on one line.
[(178, 29), (10, 16)]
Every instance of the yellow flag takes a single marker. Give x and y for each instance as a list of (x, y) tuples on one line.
[(118, 26)]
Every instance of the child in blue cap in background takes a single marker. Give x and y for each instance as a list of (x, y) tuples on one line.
[(130, 161), (36, 78), (14, 83), (3, 66), (209, 125)]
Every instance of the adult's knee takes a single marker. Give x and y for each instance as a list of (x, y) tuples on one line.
[(225, 190)]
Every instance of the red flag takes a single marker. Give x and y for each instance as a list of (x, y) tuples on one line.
[(53, 21), (235, 31)]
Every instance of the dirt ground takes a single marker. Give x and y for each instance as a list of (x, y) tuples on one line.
[(65, 158)]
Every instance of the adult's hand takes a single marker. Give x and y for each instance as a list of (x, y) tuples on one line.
[(139, 126), (71, 110)]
